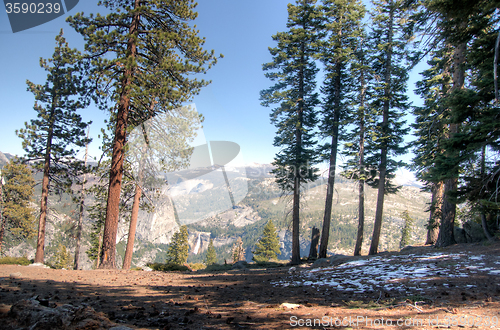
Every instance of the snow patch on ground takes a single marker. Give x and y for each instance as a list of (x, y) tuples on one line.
[(397, 273)]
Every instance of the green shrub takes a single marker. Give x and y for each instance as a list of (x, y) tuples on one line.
[(23, 261), (62, 259), (168, 267), (197, 266), (178, 249)]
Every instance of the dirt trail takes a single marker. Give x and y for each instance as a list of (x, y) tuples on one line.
[(252, 299)]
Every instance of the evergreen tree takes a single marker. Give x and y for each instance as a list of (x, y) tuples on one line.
[(211, 257), (178, 249), (128, 50), (49, 139), (342, 27), (476, 108), (238, 251), (63, 258), (268, 247), (459, 24), (16, 189), (407, 229), (361, 122), (389, 55), (293, 70), (430, 129)]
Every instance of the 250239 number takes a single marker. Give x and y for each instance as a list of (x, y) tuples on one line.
[(32, 8)]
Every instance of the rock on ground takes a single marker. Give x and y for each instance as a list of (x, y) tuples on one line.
[(31, 314)]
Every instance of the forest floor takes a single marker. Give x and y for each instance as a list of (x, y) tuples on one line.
[(421, 288)]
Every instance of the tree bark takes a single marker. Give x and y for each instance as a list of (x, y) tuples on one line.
[(383, 151), (446, 230), (325, 233), (296, 223), (446, 234), (127, 260), (108, 252), (435, 213), (80, 217), (361, 164), (297, 170), (484, 223), (313, 251), (40, 246)]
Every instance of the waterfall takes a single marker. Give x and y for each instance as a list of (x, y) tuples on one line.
[(198, 243)]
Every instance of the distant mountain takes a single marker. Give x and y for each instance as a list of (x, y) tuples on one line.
[(4, 158), (261, 201)]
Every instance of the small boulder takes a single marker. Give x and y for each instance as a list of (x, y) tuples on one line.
[(321, 263), (33, 314), (339, 259)]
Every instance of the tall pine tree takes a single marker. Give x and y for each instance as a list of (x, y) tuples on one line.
[(268, 246), (389, 55), (342, 28), (430, 129), (211, 257), (128, 50), (360, 121), (293, 70), (49, 139), (178, 249)]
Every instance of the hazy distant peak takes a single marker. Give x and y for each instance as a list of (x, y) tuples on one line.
[(5, 157)]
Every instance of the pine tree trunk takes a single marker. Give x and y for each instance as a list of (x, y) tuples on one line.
[(76, 264), (80, 218), (325, 233), (377, 227), (484, 223), (99, 248), (446, 232), (108, 252), (361, 218), (361, 164), (383, 151), (127, 260), (313, 250), (296, 223), (40, 246), (435, 213), (296, 184)]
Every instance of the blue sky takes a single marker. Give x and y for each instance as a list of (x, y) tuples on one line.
[(241, 30)]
